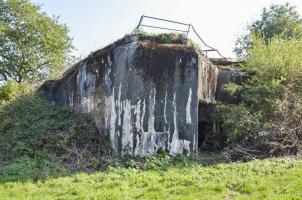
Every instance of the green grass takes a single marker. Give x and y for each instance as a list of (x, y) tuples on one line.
[(183, 179)]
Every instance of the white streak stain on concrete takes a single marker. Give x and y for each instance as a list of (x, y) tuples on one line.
[(194, 141), (113, 116), (169, 144), (151, 112), (188, 108), (151, 123), (136, 150), (146, 145), (143, 115), (175, 142), (127, 137), (177, 146), (119, 105), (138, 115), (165, 108)]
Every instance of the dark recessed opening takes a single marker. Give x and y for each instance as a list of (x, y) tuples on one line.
[(210, 135), (203, 130)]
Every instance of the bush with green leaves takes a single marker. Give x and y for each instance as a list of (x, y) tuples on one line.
[(280, 60), (33, 127), (11, 90), (267, 122)]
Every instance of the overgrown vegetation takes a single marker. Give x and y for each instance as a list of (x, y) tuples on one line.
[(267, 122), (164, 38), (35, 130)]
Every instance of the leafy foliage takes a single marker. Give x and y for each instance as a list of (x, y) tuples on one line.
[(279, 20), (280, 60), (232, 89), (11, 91), (267, 122), (32, 127), (32, 45)]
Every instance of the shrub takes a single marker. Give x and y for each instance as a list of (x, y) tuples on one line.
[(11, 90), (232, 89), (33, 127), (237, 122), (267, 122)]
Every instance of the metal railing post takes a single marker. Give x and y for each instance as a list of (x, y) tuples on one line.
[(188, 30), (139, 24), (140, 21)]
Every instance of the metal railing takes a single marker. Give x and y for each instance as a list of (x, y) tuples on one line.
[(184, 31), (164, 28)]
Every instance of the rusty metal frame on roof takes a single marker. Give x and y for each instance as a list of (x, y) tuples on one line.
[(186, 32)]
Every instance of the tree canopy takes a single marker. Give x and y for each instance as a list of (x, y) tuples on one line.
[(278, 20), (32, 45)]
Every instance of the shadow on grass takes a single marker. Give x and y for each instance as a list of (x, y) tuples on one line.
[(25, 169)]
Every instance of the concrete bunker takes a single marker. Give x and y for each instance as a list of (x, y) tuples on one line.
[(145, 94)]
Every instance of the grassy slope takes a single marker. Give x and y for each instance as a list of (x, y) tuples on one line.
[(279, 179)]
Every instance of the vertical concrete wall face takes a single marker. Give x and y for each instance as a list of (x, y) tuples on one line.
[(207, 79), (143, 95)]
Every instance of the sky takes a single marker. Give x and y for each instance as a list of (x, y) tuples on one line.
[(96, 23)]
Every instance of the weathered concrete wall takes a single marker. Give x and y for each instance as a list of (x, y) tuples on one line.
[(143, 95), (207, 80)]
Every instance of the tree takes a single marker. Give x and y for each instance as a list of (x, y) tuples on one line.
[(32, 45), (279, 20)]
